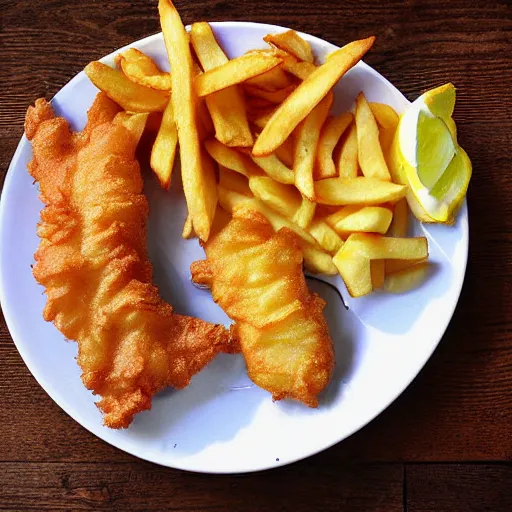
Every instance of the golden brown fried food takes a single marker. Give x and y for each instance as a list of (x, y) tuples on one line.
[(93, 261), (256, 276)]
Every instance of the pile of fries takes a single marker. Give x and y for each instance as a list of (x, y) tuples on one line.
[(257, 130)]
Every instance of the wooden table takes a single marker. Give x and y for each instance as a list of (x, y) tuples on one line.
[(446, 443)]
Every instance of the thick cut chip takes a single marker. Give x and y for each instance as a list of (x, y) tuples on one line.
[(285, 152), (291, 42), (198, 173), (378, 273), (306, 145), (325, 236), (400, 223), (299, 69), (393, 266), (275, 168), (360, 219), (276, 97), (131, 96), (271, 80), (231, 158), (140, 68), (227, 107), (315, 258), (234, 181), (387, 119), (331, 132), (235, 71), (353, 260), (348, 160), (284, 199), (308, 95), (305, 213), (358, 191), (188, 229), (378, 247), (164, 148), (317, 261), (371, 157), (134, 123)]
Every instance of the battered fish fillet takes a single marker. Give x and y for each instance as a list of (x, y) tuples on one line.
[(256, 276), (93, 261)]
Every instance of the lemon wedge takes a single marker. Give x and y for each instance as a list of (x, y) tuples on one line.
[(425, 156)]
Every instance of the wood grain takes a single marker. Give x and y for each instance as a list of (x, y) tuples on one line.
[(459, 488), (460, 406), (78, 487)]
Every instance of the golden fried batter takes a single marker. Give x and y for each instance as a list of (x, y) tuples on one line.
[(256, 276), (93, 261)]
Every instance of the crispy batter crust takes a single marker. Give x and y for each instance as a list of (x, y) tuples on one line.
[(93, 261), (256, 276)]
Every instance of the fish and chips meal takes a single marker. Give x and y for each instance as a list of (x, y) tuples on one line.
[(274, 183)]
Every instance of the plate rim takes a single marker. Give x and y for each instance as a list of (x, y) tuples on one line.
[(177, 464)]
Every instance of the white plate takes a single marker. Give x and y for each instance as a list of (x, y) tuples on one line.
[(222, 423)]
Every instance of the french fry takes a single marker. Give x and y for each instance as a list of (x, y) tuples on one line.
[(188, 229), (198, 174), (377, 271), (295, 67), (275, 168), (229, 199), (393, 266), (271, 80), (131, 96), (400, 223), (164, 148), (384, 115), (291, 42), (358, 191), (387, 119), (285, 152), (407, 279), (231, 158), (235, 71), (284, 199), (148, 138), (348, 162), (277, 96), (360, 219), (140, 68), (378, 247), (234, 181), (371, 157), (227, 107), (134, 123), (354, 270), (308, 95), (331, 132), (327, 238), (306, 144), (353, 259), (305, 213), (315, 259)]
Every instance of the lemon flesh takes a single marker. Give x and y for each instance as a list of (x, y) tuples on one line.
[(425, 156)]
